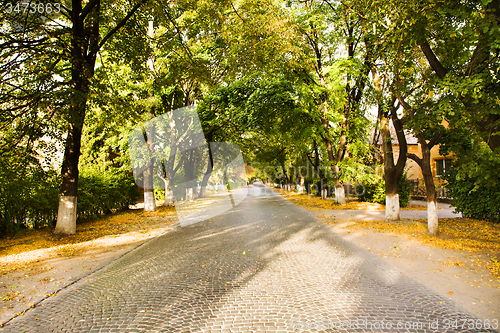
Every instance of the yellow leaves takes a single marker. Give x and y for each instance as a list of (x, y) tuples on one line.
[(20, 252), (456, 234), (494, 266), (450, 263), (315, 203)]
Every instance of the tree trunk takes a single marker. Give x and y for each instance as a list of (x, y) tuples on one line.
[(149, 194), (82, 70), (425, 165), (391, 171), (339, 189), (391, 196), (189, 194), (210, 166), (430, 188), (169, 198), (67, 211), (84, 47), (390, 177)]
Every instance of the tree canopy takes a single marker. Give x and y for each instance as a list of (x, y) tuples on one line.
[(292, 83)]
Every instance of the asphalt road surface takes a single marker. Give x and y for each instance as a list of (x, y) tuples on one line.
[(265, 265)]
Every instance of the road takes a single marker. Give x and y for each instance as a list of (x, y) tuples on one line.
[(265, 265)]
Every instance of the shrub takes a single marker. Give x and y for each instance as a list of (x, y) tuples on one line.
[(101, 192), (28, 196), (375, 190), (472, 196), (404, 190), (473, 180)]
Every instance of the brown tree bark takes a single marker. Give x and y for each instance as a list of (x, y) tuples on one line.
[(392, 171), (487, 124), (425, 165), (84, 44), (430, 188), (83, 52)]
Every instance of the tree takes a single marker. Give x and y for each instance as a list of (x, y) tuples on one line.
[(459, 40), (424, 163), (341, 81), (67, 46)]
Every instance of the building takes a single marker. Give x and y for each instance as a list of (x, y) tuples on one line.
[(439, 163)]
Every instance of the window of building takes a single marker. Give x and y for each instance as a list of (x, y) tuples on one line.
[(442, 166)]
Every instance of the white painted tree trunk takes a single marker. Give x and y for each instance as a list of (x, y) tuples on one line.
[(324, 194), (392, 207), (432, 217), (169, 197), (340, 194), (189, 194), (66, 215), (149, 201)]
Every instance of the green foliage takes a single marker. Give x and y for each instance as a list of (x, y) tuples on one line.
[(472, 198), (404, 190), (473, 181), (375, 190), (28, 197), (102, 192), (159, 194)]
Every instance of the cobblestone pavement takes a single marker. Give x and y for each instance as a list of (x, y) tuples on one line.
[(265, 265)]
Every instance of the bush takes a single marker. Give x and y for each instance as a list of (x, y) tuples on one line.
[(473, 197), (473, 180), (404, 190), (375, 190), (101, 192), (28, 196)]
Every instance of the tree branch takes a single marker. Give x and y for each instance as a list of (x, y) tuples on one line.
[(120, 24), (433, 60), (414, 157), (435, 139), (88, 8)]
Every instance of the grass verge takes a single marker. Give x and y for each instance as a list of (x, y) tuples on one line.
[(19, 251), (316, 203), (460, 234)]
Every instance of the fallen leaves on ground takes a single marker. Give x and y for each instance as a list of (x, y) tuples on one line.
[(316, 203), (112, 225), (461, 234)]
